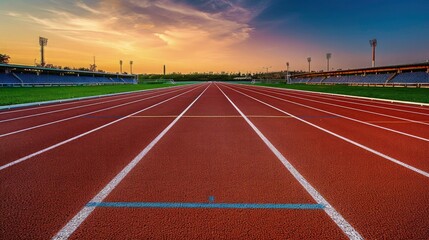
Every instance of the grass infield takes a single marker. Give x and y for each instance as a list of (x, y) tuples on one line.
[(17, 95), (394, 93)]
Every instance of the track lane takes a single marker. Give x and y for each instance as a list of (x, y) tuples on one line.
[(25, 111), (413, 115), (40, 196), (46, 118), (404, 127), (407, 150), (229, 162), (375, 106), (380, 199), (16, 148), (356, 99)]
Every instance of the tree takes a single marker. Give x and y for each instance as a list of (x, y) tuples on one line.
[(4, 58)]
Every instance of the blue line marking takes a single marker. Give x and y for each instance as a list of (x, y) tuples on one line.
[(205, 205)]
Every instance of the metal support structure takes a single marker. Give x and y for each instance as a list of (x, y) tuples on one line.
[(42, 42), (131, 67), (328, 56), (120, 66), (266, 68), (373, 44), (309, 64), (93, 67), (287, 73)]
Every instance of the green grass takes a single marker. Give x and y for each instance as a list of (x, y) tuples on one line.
[(17, 95), (394, 93)]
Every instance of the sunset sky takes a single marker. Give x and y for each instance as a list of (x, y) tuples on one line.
[(215, 35)]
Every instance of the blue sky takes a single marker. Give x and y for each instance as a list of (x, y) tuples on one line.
[(400, 26), (216, 35)]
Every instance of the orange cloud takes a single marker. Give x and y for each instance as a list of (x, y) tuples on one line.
[(145, 30)]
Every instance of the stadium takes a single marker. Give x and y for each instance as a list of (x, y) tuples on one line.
[(214, 120)]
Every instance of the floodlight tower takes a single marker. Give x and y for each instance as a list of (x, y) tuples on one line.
[(131, 67), (328, 56), (93, 67), (309, 63), (287, 72), (266, 68), (43, 42), (120, 66), (373, 44)]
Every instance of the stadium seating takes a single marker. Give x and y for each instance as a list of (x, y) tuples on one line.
[(342, 79), (8, 79), (316, 80), (381, 78), (411, 78), (375, 78), (50, 79), (299, 80)]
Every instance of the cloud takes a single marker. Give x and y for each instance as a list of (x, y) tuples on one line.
[(166, 24), (13, 14), (86, 7)]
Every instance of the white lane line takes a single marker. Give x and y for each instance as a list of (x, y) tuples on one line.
[(394, 160), (342, 223), (369, 105), (392, 102), (86, 133), (81, 216), (361, 110), (76, 107), (338, 115), (70, 101), (357, 103), (84, 114)]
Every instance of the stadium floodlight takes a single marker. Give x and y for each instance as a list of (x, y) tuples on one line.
[(120, 66), (287, 72), (309, 62), (373, 44), (131, 67), (328, 56), (266, 68), (93, 67), (43, 42)]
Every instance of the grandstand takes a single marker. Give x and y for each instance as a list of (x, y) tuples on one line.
[(400, 75), (21, 75)]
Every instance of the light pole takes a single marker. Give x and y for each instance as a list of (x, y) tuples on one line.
[(131, 67), (287, 72), (373, 44), (328, 56), (42, 42), (120, 66), (309, 62), (266, 68)]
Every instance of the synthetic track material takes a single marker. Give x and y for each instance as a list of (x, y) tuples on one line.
[(211, 156)]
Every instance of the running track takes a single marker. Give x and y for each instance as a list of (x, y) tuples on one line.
[(213, 161)]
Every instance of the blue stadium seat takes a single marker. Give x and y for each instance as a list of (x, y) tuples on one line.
[(411, 78), (8, 79)]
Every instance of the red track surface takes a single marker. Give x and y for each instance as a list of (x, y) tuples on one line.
[(212, 151)]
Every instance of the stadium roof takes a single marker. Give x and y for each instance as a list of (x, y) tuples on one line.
[(382, 69)]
